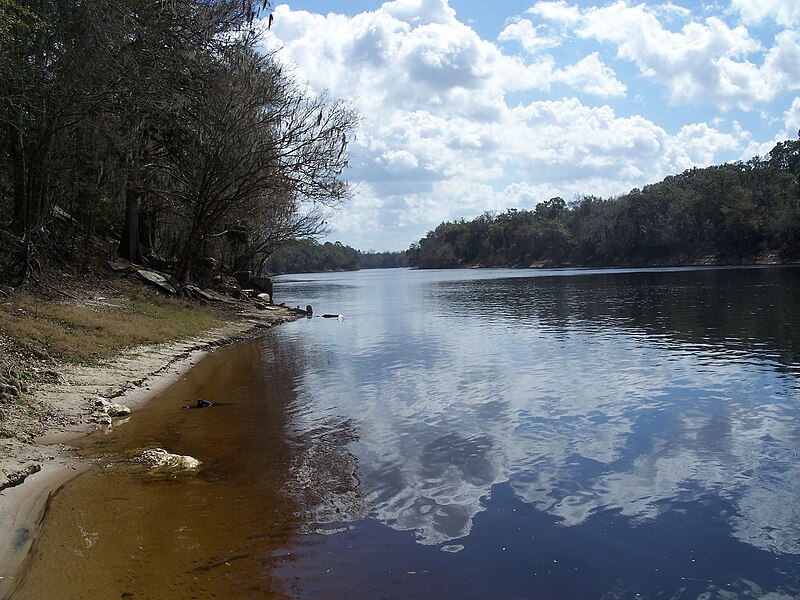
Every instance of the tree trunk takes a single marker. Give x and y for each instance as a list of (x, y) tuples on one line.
[(38, 186), (129, 246), (17, 150), (189, 254), (148, 223), (243, 262)]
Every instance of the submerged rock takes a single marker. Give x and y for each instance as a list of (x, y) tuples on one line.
[(204, 403), (158, 458), (201, 404)]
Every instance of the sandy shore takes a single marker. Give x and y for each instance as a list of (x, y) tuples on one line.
[(32, 468)]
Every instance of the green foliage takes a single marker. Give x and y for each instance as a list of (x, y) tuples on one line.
[(382, 260), (14, 16), (732, 213), (312, 257)]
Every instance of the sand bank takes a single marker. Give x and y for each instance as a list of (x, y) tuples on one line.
[(33, 467)]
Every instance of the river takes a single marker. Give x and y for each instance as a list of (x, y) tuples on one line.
[(463, 434)]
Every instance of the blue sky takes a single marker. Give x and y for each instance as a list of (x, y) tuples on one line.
[(471, 106)]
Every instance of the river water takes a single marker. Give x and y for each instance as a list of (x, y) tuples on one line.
[(463, 434)]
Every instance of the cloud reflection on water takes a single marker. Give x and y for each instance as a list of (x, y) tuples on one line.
[(626, 394)]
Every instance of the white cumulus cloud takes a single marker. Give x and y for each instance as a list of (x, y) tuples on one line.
[(783, 12), (532, 38), (557, 11), (454, 124), (703, 61), (591, 75)]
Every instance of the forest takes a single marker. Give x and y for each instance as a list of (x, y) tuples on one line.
[(159, 130), (734, 213), (313, 257)]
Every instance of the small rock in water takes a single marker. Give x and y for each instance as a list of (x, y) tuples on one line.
[(201, 404), (159, 458), (330, 316)]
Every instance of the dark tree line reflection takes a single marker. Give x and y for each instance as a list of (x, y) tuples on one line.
[(751, 310)]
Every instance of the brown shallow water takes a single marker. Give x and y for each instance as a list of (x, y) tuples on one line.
[(119, 531)]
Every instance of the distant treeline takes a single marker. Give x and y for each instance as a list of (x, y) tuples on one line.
[(383, 260), (312, 257), (732, 213)]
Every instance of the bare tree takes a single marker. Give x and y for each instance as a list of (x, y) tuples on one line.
[(254, 143), (39, 101), (160, 54)]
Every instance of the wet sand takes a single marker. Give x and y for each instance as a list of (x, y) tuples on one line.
[(22, 510)]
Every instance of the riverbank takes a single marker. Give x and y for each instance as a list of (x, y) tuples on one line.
[(764, 259), (58, 403)]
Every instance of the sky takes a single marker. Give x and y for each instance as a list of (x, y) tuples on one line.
[(467, 106)]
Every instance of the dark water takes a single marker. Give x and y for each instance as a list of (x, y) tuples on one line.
[(468, 434)]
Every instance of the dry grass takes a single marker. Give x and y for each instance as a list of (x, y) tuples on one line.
[(90, 331)]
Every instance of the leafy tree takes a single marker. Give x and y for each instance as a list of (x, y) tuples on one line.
[(733, 212), (310, 257), (382, 260)]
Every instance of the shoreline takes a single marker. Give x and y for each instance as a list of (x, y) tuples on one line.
[(32, 471), (706, 262)]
